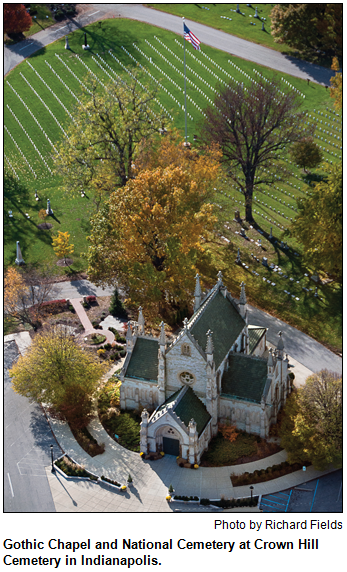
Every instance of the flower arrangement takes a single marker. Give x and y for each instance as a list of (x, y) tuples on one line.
[(196, 466), (168, 497), (162, 453), (123, 488)]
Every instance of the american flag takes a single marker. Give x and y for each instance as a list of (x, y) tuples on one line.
[(189, 36)]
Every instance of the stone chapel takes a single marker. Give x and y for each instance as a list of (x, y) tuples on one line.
[(216, 370)]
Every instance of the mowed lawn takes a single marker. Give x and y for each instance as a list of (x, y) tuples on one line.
[(49, 84)]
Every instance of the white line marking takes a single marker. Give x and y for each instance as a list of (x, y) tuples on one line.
[(87, 15), (9, 480), (26, 46)]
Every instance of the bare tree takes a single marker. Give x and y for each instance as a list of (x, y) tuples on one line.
[(253, 125)]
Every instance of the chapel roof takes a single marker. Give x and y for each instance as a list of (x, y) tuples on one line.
[(220, 315), (255, 333), (143, 363), (187, 405), (245, 378)]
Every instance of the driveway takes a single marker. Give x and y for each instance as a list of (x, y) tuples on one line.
[(13, 55)]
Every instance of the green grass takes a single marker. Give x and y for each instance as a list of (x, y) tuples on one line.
[(239, 25), (72, 213), (221, 452)]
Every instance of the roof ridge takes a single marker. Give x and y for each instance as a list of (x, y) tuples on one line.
[(195, 317)]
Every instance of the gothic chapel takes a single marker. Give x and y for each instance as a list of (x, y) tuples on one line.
[(217, 369)]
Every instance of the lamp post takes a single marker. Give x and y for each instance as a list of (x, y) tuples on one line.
[(251, 487), (53, 469)]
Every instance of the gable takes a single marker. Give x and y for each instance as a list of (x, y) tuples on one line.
[(245, 378), (186, 405), (143, 363), (255, 333), (221, 317)]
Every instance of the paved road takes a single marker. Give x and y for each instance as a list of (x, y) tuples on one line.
[(27, 440), (208, 36), (304, 349)]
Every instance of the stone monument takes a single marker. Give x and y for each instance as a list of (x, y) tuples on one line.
[(19, 260)]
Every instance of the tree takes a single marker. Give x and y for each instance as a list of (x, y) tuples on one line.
[(117, 306), (16, 19), (61, 245), (312, 427), (56, 370), (318, 224), (306, 153), (308, 27), (150, 234), (252, 127), (336, 84), (25, 292), (108, 126)]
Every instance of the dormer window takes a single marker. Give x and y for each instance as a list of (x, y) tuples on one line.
[(185, 350)]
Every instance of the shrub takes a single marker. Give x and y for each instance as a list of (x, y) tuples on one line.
[(101, 352), (121, 339), (116, 306), (91, 299), (107, 480), (122, 353), (205, 502)]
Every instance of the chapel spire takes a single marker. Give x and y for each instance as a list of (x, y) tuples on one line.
[(197, 293)]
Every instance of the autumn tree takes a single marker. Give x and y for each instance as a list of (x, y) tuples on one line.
[(57, 371), (336, 84), (308, 27), (62, 246), (306, 153), (24, 293), (16, 19), (311, 430), (252, 126), (103, 137), (150, 235), (318, 224)]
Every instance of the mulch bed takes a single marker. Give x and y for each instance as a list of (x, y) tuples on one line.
[(45, 226)]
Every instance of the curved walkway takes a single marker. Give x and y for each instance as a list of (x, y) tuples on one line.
[(13, 55)]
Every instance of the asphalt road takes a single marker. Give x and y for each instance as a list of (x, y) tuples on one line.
[(303, 348), (208, 36), (27, 440)]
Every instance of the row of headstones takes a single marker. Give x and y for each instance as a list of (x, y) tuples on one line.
[(140, 84), (33, 116), (261, 75), (292, 87), (43, 103), (51, 91), (31, 141), (187, 79), (72, 73), (159, 84), (64, 84), (272, 196), (20, 151), (336, 127), (259, 213), (12, 167)]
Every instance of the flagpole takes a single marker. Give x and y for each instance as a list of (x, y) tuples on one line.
[(185, 86)]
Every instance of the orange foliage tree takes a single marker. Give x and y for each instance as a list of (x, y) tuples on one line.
[(336, 84), (152, 232), (16, 19), (229, 432)]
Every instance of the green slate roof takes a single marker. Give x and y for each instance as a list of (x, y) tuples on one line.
[(245, 378), (187, 406), (219, 315), (143, 362), (255, 333)]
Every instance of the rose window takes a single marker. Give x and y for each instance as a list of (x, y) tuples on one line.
[(187, 378)]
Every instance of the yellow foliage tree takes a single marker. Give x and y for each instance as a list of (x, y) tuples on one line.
[(151, 234), (56, 370), (336, 84), (61, 245)]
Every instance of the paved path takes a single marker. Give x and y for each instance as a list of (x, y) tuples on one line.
[(304, 349), (209, 36), (86, 323)]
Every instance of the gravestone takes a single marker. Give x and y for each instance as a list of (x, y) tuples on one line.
[(237, 215), (67, 47), (262, 27), (238, 259), (256, 13), (49, 211), (85, 46), (264, 261), (270, 235), (19, 259)]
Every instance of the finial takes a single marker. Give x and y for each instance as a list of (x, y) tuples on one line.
[(220, 277), (243, 299), (270, 362), (128, 334), (141, 322), (209, 344), (280, 344), (185, 323), (162, 338), (197, 286)]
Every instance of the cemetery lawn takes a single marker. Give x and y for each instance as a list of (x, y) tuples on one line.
[(239, 25), (321, 319)]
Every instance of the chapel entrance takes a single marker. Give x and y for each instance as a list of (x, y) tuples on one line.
[(171, 446)]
